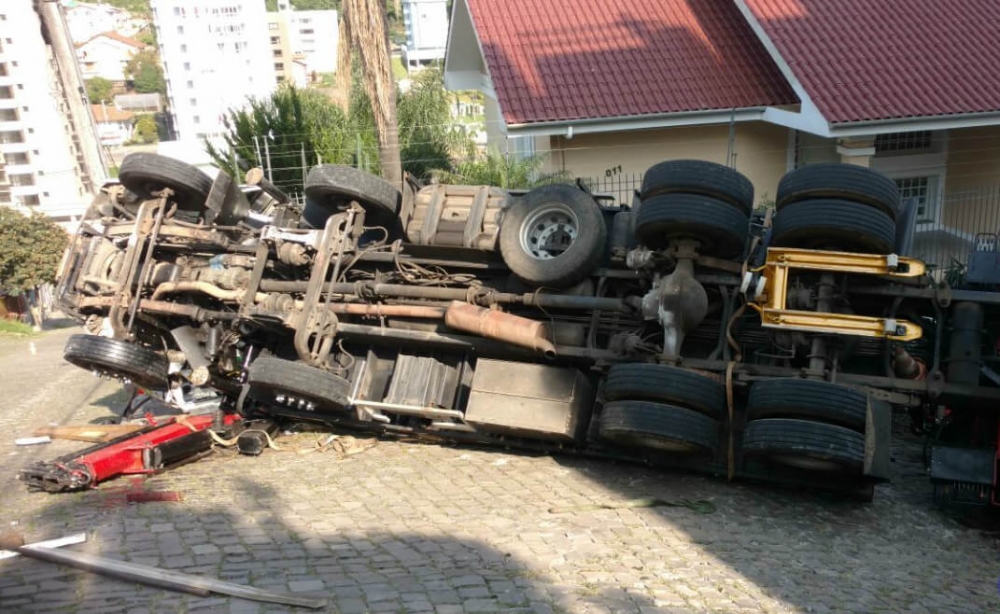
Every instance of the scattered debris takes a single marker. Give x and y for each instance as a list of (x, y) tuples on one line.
[(93, 433), (153, 576), (32, 441), (700, 506)]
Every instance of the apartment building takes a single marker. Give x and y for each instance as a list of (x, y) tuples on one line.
[(289, 67), (42, 164), (311, 36), (215, 55), (426, 32)]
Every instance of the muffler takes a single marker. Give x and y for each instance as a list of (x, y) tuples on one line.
[(501, 326)]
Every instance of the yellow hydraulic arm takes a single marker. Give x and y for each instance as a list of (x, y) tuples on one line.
[(770, 293)]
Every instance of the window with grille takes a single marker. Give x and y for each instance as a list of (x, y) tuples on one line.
[(923, 192), (904, 141)]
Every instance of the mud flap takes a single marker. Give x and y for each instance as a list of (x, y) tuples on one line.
[(878, 439)]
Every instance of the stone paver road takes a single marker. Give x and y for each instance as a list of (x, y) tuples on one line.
[(409, 527)]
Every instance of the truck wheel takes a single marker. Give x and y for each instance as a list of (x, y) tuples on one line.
[(330, 186), (295, 385), (839, 181), (658, 426), (806, 445), (720, 228), (665, 384), (699, 177), (553, 236), (810, 400), (141, 365), (837, 225), (145, 173)]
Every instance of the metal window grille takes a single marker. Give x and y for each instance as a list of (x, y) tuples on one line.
[(903, 141), (918, 189)]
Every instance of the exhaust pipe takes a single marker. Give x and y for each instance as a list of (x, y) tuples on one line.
[(501, 326)]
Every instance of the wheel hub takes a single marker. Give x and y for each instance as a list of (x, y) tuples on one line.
[(549, 231)]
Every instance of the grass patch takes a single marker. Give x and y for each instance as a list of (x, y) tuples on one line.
[(398, 70), (13, 328)]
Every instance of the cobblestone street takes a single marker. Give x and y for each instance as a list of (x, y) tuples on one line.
[(406, 527)]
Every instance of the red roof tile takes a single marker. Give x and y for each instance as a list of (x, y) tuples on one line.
[(553, 60), (131, 42), (869, 60)]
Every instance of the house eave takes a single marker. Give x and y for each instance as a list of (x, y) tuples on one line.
[(913, 124), (571, 127)]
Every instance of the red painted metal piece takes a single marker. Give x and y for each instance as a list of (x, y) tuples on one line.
[(134, 453)]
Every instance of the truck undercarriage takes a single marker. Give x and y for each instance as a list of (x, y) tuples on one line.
[(683, 330)]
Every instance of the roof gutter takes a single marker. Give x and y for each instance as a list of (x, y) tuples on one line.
[(909, 124), (569, 128)]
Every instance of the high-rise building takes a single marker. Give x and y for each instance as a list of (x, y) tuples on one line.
[(426, 31), (313, 35), (215, 55), (43, 166)]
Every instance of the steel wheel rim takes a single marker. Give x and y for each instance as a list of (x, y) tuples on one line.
[(549, 231)]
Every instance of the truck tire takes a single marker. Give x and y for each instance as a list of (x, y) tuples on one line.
[(553, 236), (145, 173), (721, 228), (665, 384), (658, 426), (809, 400), (837, 225), (839, 181), (803, 444), (271, 377), (330, 186), (141, 365), (699, 177)]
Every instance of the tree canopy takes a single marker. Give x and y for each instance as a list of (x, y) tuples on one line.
[(308, 121), (100, 90), (146, 73), (31, 248)]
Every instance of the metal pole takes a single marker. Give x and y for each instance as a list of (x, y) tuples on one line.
[(304, 165), (256, 147), (267, 154)]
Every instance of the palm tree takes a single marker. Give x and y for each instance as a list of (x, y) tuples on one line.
[(364, 30)]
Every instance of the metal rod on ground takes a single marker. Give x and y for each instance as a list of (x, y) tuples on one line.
[(166, 579)]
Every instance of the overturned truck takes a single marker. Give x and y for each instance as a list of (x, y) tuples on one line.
[(683, 329)]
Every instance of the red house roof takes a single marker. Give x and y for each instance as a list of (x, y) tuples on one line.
[(862, 60), (558, 60)]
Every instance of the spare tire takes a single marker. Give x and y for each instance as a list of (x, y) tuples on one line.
[(665, 384), (553, 236), (699, 177), (146, 173), (720, 228), (331, 186), (139, 364), (837, 225), (658, 426), (806, 445), (842, 182)]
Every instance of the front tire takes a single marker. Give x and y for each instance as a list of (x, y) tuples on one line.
[(138, 364)]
